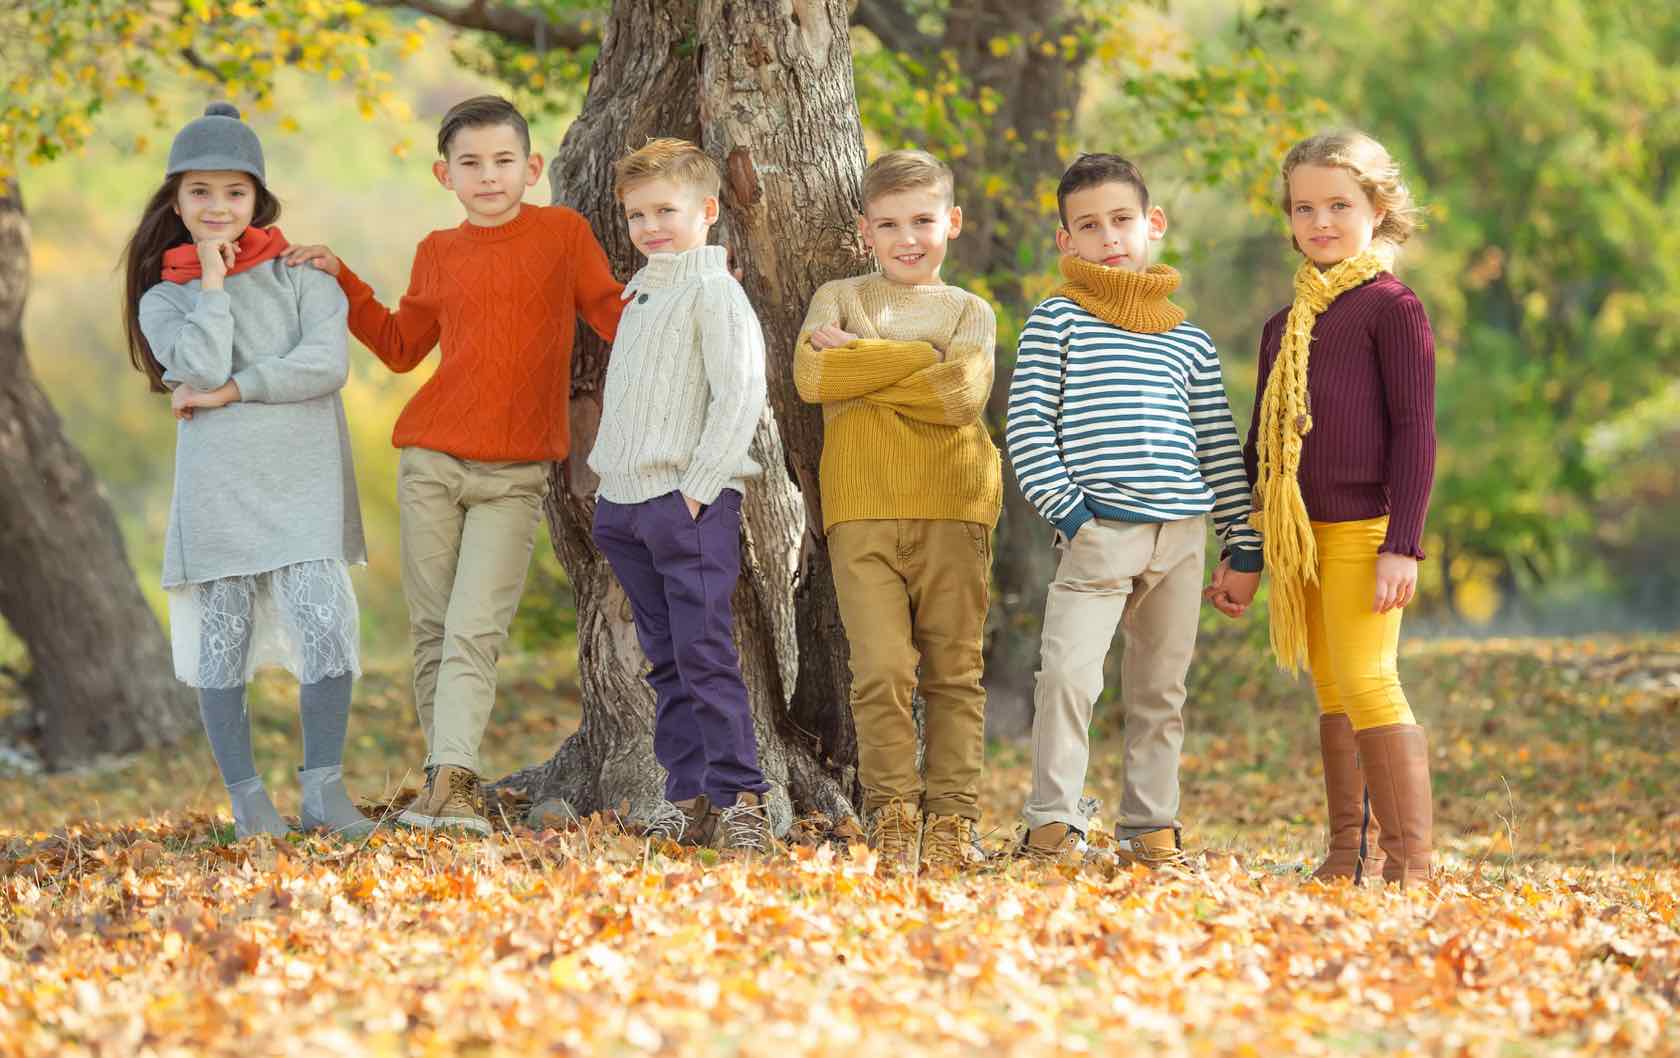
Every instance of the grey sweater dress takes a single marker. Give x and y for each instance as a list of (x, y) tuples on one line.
[(264, 520)]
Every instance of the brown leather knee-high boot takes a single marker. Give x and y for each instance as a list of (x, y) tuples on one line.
[(1354, 849), (1395, 758)]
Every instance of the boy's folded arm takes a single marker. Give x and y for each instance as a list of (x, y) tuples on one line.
[(954, 391), (732, 348), (1220, 456), (319, 364), (857, 368), (947, 394), (194, 347), (1031, 431), (401, 339)]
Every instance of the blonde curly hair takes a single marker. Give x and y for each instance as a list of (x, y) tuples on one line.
[(1372, 166)]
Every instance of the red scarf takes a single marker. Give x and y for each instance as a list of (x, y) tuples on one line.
[(181, 264)]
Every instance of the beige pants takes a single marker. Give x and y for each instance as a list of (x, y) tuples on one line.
[(467, 533), (915, 590), (1148, 575)]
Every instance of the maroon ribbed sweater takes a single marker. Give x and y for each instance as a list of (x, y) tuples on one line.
[(1371, 380)]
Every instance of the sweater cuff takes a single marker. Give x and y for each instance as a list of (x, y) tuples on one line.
[(252, 388), (703, 483), (1070, 523), (1246, 560)]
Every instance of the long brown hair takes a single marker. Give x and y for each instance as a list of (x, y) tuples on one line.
[(160, 229)]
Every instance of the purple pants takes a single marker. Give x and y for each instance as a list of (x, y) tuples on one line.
[(679, 573)]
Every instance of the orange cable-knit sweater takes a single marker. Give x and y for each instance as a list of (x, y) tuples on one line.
[(502, 303)]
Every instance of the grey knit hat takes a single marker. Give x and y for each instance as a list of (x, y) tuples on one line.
[(217, 141)]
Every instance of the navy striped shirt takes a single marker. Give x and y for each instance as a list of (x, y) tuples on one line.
[(1110, 423)]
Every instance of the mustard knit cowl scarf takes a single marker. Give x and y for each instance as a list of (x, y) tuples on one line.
[(1280, 513), (1133, 301)]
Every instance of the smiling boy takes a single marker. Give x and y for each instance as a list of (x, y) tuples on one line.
[(1121, 436), (911, 487), (684, 393), (500, 296)]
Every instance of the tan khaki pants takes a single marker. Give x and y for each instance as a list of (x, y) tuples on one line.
[(467, 533), (1148, 575), (915, 591)]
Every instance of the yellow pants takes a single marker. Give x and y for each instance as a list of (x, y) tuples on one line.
[(1351, 648)]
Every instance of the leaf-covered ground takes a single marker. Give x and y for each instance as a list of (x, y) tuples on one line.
[(128, 925)]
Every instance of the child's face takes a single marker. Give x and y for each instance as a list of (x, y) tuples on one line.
[(908, 230), (665, 216), (1108, 225), (216, 205), (1330, 215), (489, 171)]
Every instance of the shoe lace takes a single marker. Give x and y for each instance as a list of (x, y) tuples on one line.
[(946, 837), (463, 792), (664, 820), (745, 826), (890, 830)]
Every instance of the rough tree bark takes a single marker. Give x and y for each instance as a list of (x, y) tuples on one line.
[(1037, 95), (100, 679), (766, 88)]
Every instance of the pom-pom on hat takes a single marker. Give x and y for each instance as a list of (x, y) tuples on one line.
[(217, 141)]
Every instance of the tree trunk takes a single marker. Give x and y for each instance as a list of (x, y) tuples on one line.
[(101, 678), (766, 88), (1037, 94)]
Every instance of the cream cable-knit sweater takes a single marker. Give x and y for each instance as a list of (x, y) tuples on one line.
[(685, 385)]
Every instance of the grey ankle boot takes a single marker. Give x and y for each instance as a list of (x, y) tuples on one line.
[(326, 804), (253, 812)]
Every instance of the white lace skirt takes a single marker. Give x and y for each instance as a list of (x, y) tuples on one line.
[(301, 617)]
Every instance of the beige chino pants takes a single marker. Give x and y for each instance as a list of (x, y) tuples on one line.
[(914, 592), (467, 532), (1146, 576)]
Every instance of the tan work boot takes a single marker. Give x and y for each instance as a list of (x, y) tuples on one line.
[(450, 801), (1396, 761), (1353, 830), (1153, 848), (895, 833), (1053, 843), (744, 826), (948, 843)]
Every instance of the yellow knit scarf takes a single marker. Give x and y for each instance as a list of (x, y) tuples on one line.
[(1280, 513), (1132, 301)]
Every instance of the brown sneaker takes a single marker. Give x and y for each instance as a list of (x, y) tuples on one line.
[(1053, 843), (450, 801), (1153, 848), (948, 842), (895, 833), (742, 827), (698, 820)]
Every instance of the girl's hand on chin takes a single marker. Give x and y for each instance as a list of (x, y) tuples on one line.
[(215, 256)]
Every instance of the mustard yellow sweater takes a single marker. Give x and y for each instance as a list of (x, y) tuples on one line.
[(903, 433)]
